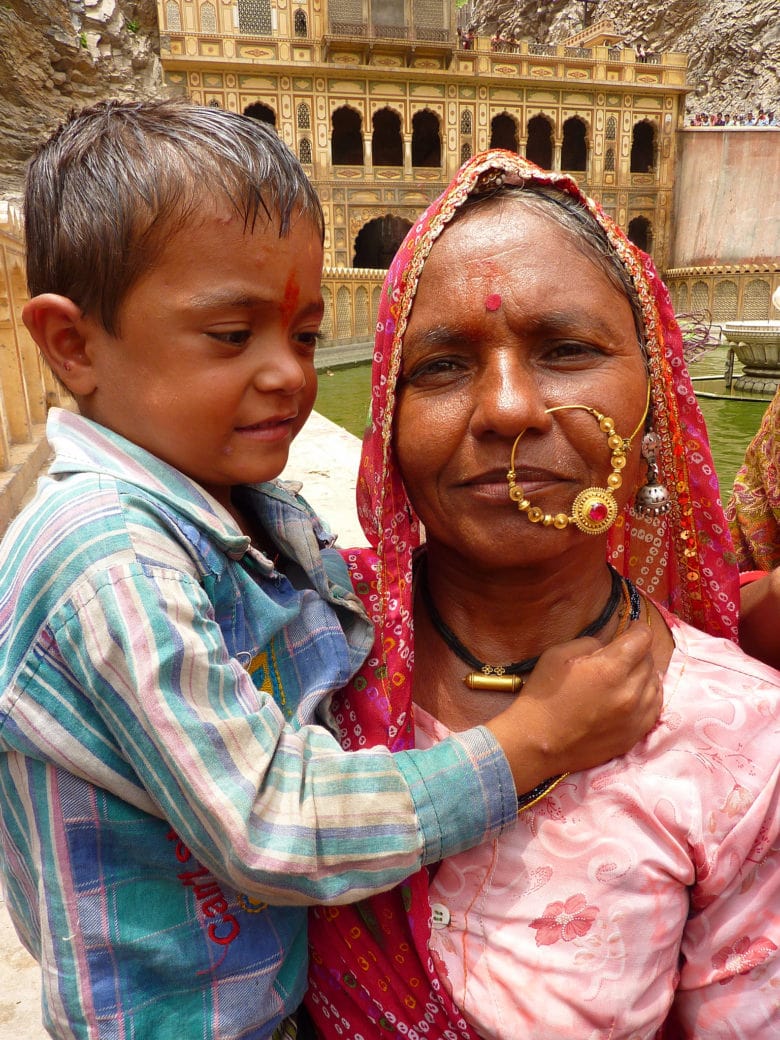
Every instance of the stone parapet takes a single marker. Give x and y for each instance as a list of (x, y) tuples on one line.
[(724, 292)]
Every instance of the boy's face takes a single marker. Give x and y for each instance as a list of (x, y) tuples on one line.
[(212, 367)]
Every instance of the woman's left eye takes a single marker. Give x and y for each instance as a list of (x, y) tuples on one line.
[(571, 349)]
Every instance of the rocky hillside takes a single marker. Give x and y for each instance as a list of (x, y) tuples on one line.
[(733, 45), (57, 54)]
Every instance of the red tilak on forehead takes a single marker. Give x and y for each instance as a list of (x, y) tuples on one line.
[(291, 293), (493, 301)]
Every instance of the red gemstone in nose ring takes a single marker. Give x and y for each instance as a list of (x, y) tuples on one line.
[(598, 512)]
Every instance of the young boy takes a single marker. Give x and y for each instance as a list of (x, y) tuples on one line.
[(172, 622)]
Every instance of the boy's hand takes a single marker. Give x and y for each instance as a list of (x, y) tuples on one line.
[(582, 705)]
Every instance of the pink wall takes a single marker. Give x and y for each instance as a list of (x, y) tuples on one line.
[(726, 197)]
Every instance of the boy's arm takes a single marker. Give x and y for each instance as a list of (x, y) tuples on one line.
[(285, 814)]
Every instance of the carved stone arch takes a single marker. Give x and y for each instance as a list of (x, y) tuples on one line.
[(326, 325), (173, 16), (755, 302), (700, 298), (426, 138), (640, 232), (343, 313), (303, 115), (208, 17), (363, 325), (644, 146), (264, 113), (377, 241), (504, 132), (724, 300), (539, 142), (346, 141), (387, 144), (574, 148)]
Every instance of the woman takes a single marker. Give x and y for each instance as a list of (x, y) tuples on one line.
[(510, 399), (753, 513)]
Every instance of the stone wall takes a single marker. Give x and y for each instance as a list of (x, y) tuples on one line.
[(726, 223), (727, 197)]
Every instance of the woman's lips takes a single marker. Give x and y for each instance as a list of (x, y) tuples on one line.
[(493, 483)]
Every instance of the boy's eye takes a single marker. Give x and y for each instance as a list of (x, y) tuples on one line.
[(235, 337), (309, 339)]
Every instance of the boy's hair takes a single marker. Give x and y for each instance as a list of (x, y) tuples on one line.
[(111, 185)]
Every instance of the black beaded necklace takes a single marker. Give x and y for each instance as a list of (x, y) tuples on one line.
[(508, 678)]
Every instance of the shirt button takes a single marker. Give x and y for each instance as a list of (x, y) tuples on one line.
[(440, 915)]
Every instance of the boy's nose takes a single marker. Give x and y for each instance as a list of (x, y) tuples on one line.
[(281, 371)]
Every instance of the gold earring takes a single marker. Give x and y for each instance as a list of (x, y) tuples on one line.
[(653, 498)]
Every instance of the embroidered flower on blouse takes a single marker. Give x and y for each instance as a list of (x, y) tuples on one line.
[(738, 801), (567, 921), (739, 958)]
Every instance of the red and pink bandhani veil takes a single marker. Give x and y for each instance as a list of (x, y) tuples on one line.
[(371, 971)]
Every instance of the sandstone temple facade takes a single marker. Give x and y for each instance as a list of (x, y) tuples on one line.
[(383, 99)]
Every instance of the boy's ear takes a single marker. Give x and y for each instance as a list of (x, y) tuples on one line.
[(59, 328)]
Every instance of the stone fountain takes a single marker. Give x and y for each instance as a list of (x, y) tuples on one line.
[(757, 345)]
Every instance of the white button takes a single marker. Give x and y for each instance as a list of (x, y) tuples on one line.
[(440, 915)]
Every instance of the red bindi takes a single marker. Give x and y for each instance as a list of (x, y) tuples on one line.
[(492, 301)]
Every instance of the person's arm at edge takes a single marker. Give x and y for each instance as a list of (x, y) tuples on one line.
[(759, 620)]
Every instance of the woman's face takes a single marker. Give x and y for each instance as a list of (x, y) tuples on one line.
[(511, 318)]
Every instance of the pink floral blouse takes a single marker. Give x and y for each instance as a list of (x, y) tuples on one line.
[(640, 899)]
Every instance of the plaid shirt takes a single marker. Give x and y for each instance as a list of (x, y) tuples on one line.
[(169, 803)]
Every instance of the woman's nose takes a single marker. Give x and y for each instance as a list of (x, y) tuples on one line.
[(510, 398)]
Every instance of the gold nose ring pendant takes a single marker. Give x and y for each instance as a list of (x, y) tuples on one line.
[(595, 509)]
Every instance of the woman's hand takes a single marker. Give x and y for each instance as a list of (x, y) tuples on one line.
[(582, 705), (759, 619)]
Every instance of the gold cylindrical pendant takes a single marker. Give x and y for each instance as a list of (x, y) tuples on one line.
[(499, 683)]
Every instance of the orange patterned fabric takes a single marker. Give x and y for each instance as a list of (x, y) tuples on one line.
[(754, 508), (371, 969)]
